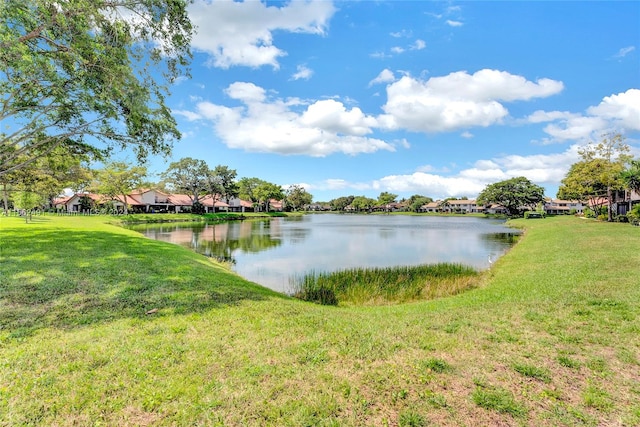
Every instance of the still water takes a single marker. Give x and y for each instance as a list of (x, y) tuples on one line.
[(270, 252)]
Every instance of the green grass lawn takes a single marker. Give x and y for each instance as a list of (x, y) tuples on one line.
[(550, 337)]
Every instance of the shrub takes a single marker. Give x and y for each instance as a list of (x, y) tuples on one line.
[(634, 214), (621, 218), (198, 208), (534, 214)]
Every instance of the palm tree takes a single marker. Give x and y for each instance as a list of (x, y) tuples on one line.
[(631, 177)]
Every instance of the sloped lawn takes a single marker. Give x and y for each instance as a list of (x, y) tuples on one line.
[(100, 326)]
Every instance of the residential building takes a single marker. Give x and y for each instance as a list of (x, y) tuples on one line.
[(563, 207), (140, 201), (431, 206), (461, 206), (624, 200)]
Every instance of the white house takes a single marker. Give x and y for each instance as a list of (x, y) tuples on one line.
[(563, 207)]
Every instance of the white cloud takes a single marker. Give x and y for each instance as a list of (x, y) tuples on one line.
[(189, 115), (452, 23), (402, 143), (479, 175), (385, 76), (622, 109), (418, 45), (304, 185), (398, 50), (188, 134), (302, 73), (273, 125), (379, 55), (540, 116), (619, 112), (332, 116), (429, 184), (466, 134), (458, 100), (542, 169), (425, 168), (432, 169), (575, 128), (179, 80), (401, 33), (334, 184), (246, 92), (624, 51), (241, 33)]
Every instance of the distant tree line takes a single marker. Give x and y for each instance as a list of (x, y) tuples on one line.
[(605, 176), (37, 184), (384, 201)]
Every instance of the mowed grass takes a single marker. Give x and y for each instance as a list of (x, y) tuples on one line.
[(550, 337)]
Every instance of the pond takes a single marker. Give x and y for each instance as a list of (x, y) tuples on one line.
[(272, 251)]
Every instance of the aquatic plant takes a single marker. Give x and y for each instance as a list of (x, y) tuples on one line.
[(384, 284)]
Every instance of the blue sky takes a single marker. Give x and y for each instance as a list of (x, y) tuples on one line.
[(411, 97)]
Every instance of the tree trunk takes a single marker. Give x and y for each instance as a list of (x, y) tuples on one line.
[(5, 199), (610, 208)]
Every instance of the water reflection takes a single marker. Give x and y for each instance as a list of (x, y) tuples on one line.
[(271, 251), (220, 241)]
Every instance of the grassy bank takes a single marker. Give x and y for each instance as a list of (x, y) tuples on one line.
[(551, 338), (370, 286)]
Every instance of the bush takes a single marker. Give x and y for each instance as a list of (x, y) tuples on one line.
[(534, 214), (198, 208), (634, 214), (621, 218)]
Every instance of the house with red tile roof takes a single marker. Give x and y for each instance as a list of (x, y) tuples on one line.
[(74, 202), (140, 201), (239, 205)]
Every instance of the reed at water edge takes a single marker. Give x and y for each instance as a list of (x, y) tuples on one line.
[(383, 285)]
